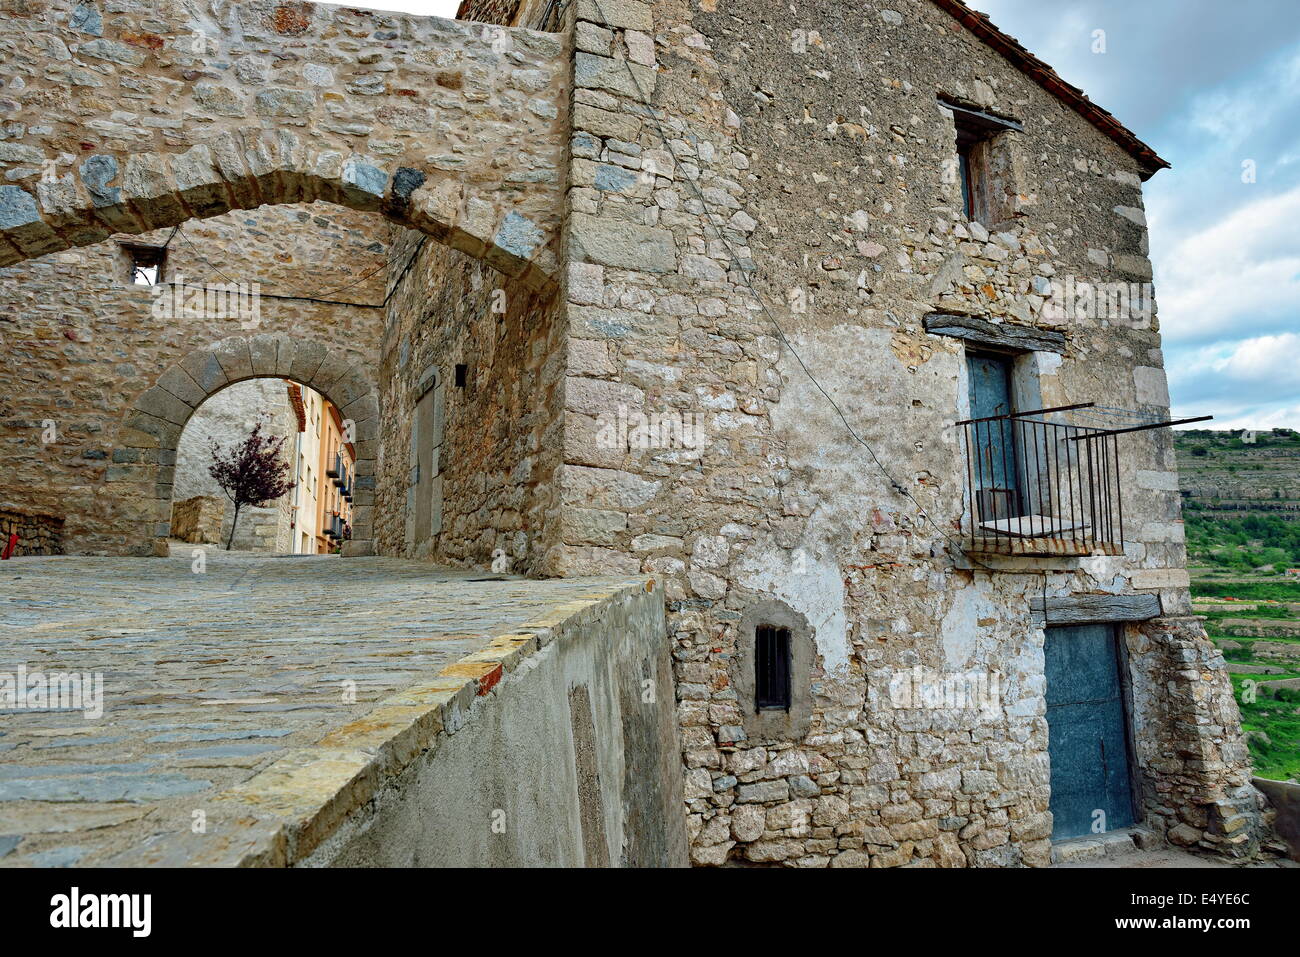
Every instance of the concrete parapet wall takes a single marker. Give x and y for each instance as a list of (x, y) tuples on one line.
[(1284, 799), (572, 761)]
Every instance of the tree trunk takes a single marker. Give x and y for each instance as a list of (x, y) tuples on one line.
[(233, 523)]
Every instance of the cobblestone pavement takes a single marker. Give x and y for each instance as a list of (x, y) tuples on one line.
[(209, 677)]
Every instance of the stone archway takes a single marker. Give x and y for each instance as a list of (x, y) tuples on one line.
[(150, 433), (452, 128)]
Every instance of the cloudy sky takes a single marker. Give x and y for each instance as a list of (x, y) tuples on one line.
[(1212, 86)]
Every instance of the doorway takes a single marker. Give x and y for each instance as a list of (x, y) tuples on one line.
[(996, 453), (1088, 735)]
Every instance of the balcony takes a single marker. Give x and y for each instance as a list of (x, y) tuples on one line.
[(1040, 487)]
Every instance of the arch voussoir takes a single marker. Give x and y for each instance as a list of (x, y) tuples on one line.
[(235, 357), (263, 354), (178, 382)]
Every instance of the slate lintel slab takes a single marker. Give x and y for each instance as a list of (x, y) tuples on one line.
[(1001, 335)]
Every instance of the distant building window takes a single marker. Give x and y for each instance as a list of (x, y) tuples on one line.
[(146, 264), (461, 372), (772, 668)]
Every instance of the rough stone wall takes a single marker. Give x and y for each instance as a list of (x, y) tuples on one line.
[(227, 418), (1196, 766), (82, 346), (38, 534), (534, 14), (500, 442), (810, 160), (198, 520), (444, 126), (489, 11)]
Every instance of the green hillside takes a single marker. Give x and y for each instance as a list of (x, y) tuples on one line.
[(1241, 505)]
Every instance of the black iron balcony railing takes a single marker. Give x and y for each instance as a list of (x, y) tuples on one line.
[(1039, 487)]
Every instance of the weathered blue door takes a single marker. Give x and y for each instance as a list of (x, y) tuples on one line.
[(1087, 732), (995, 472)]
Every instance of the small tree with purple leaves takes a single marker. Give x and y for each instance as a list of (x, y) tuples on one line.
[(251, 472)]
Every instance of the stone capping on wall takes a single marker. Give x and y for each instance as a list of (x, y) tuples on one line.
[(999, 335), (290, 808), (152, 428), (1094, 609)]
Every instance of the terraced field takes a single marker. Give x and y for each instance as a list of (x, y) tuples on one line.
[(1260, 638)]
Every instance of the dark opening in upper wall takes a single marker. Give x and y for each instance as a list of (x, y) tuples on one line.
[(982, 166), (144, 264)]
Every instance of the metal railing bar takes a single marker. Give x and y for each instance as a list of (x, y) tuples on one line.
[(1021, 415), (1143, 428)]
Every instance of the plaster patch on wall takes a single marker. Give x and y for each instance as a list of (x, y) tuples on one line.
[(1105, 572), (961, 632), (1047, 363), (847, 482), (816, 592), (1152, 386)]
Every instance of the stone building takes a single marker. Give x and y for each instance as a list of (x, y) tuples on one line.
[(713, 291)]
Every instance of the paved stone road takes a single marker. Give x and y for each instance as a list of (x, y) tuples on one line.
[(210, 677)]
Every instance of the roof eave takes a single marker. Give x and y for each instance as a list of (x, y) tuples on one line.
[(1042, 74)]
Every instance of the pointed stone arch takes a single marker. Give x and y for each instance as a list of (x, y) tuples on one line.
[(145, 451)]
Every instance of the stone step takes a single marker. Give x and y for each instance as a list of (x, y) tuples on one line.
[(1096, 847)]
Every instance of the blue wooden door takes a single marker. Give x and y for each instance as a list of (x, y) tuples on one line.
[(1087, 732), (995, 472)]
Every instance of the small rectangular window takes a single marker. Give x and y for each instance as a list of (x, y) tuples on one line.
[(461, 372), (146, 264), (772, 668), (972, 168)]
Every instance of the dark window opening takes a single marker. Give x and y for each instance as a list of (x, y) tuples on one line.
[(976, 131), (771, 668), (461, 371), (972, 172), (146, 264)]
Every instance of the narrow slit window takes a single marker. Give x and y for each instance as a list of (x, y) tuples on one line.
[(461, 372), (772, 668)]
